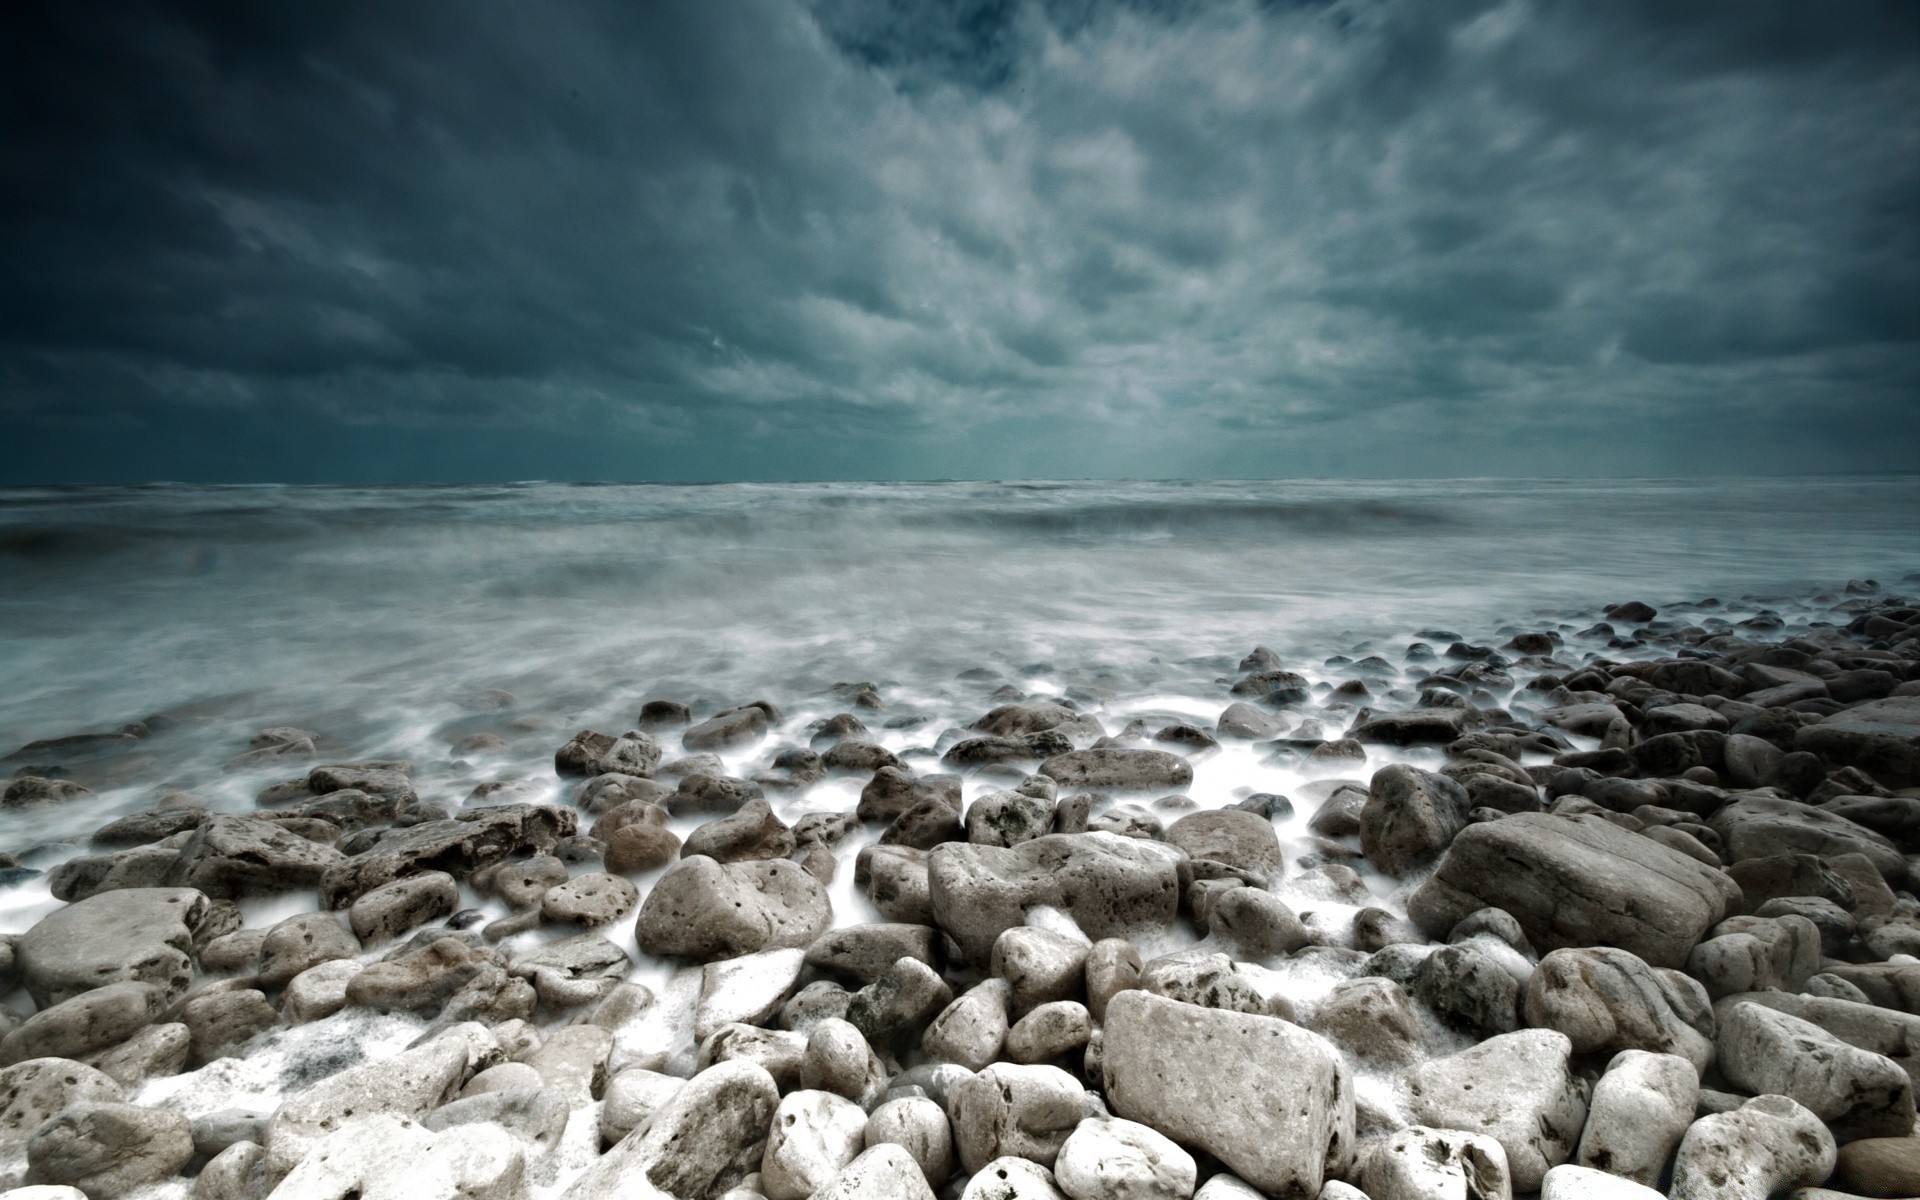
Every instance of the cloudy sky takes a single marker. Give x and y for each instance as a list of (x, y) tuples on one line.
[(970, 238)]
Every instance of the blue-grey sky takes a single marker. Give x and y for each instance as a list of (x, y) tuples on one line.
[(958, 238)]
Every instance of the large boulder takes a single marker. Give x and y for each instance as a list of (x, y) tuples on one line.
[(231, 857), (1641, 1109), (107, 1150), (1410, 817), (703, 910), (1518, 1088), (1881, 737), (459, 848), (1856, 1092), (1759, 1150), (143, 935), (1870, 1027), (93, 1020), (1765, 826), (1269, 1099), (1577, 881), (1607, 1001), (1109, 885), (32, 1091), (1119, 768)]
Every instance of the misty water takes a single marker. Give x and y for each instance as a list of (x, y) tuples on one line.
[(394, 622)]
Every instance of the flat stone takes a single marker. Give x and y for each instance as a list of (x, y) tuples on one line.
[(144, 935), (1119, 768), (703, 910), (230, 857), (1242, 840), (459, 848), (1517, 1088), (1881, 737), (107, 1149), (1109, 885)]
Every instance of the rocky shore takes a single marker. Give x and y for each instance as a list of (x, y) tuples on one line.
[(1622, 906)]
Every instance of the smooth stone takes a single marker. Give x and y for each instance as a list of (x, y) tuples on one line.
[(632, 1098), (392, 909), (1039, 965), (749, 988), (1518, 1088), (972, 1030), (1008, 1109), (862, 953), (1639, 1112), (590, 900), (894, 1009), (1119, 768), (88, 1022), (1879, 1167), (302, 942), (1049, 1031), (1607, 1000), (1109, 885), (1012, 1178), (1112, 1159), (1269, 1099), (230, 857), (1239, 839), (1570, 1182), (141, 935), (1856, 1092), (1410, 817), (319, 991), (1372, 1021), (33, 1091), (389, 1157), (703, 910), (109, 1149), (536, 1115), (838, 1059), (919, 1126), (1752, 954), (883, 1172), (753, 832), (459, 848)]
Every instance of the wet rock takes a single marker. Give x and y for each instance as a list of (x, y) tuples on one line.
[(1750, 954), (1518, 1089), (1896, 1035), (1247, 723), (522, 885), (994, 751), (385, 1157), (729, 728), (701, 1142), (91, 874), (33, 1091), (1255, 925), (378, 777), (751, 833), (1470, 990), (142, 935), (407, 1084), (1007, 818), (420, 981), (1019, 1111), (1421, 726), (1881, 737), (301, 942), (972, 1030), (1762, 826), (1371, 1020), (1856, 1092), (897, 883), (632, 849), (31, 791), (703, 910), (536, 1115), (1570, 1182), (1270, 1100), (920, 1127), (603, 793), (393, 909), (1767, 1145), (1410, 817), (892, 1010), (1879, 1167), (1119, 768), (1607, 1001), (1112, 1159), (632, 1098), (894, 790), (1109, 886), (747, 989), (107, 1150), (1238, 839), (590, 900), (1039, 965), (85, 1023), (632, 753), (1577, 881), (229, 857), (459, 848), (1052, 1030), (145, 828), (1640, 1110), (583, 969), (1418, 1162), (814, 1134), (700, 792), (154, 1052), (1211, 981), (863, 953)]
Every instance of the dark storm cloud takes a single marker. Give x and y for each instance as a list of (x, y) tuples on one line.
[(873, 237)]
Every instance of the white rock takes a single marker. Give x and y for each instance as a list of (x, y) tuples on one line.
[(1012, 1178), (319, 991), (886, 1172), (814, 1135), (1640, 1110), (749, 988), (388, 1157), (971, 1030), (1418, 1163), (633, 1097), (712, 1133), (1767, 1145), (1269, 1099), (1025, 1112), (1113, 1159), (1517, 1088), (921, 1127), (1571, 1182)]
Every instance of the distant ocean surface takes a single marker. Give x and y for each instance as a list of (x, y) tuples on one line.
[(375, 615)]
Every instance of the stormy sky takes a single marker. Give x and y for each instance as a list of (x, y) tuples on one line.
[(958, 238)]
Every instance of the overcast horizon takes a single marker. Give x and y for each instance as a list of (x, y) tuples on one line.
[(979, 239)]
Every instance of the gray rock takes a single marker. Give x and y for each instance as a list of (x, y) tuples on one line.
[(1244, 721), (1577, 881), (301, 942), (1750, 954), (1270, 1100), (1007, 818), (394, 908), (1764, 826), (232, 1174), (897, 883), (229, 857), (632, 1098), (920, 1127), (838, 1059), (703, 910), (1119, 768), (91, 874), (1111, 1159), (1242, 840), (143, 935), (1052, 1030), (780, 1053), (1640, 1110), (1012, 1178), (892, 1011), (895, 790), (479, 838), (1570, 1182), (972, 1030), (1019, 1111), (814, 1134), (883, 1172), (590, 900), (1417, 1162), (1470, 990), (1883, 1031), (385, 1157), (572, 1061), (1372, 1021), (750, 833), (749, 988), (33, 1091), (1109, 885), (1856, 1092), (700, 1143), (88, 1022), (632, 753), (862, 953), (1606, 1001), (1210, 981), (1881, 737), (1518, 1089), (1766, 1146), (155, 1051), (318, 992), (1410, 817), (220, 1022), (107, 1150), (728, 728), (1113, 966), (1039, 965)]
